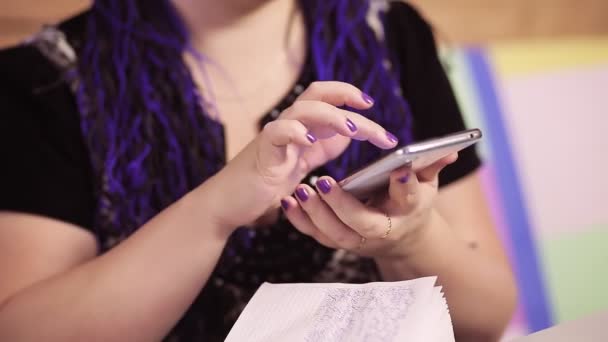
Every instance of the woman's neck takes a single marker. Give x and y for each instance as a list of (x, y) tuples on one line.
[(250, 46), (255, 50), (231, 29)]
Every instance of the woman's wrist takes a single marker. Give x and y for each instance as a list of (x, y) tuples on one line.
[(208, 204), (410, 257), (420, 241)]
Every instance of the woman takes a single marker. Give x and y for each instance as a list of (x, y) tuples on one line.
[(148, 146)]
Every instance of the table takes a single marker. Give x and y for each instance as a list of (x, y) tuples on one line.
[(591, 328)]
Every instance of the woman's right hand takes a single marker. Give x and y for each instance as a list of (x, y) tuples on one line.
[(306, 135)]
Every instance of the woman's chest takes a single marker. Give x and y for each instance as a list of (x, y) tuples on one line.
[(243, 117)]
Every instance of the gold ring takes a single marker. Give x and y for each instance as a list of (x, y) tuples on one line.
[(362, 242), (389, 228)]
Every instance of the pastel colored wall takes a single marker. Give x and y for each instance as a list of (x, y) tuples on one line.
[(543, 105)]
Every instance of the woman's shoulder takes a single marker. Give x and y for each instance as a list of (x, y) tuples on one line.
[(39, 62), (40, 139), (35, 69), (39, 58), (36, 95), (404, 9), (23, 67), (406, 14), (34, 84), (407, 31)]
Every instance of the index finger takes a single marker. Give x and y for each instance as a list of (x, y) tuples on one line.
[(325, 120), (338, 94)]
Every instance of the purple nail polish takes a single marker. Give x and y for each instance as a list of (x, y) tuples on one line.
[(404, 179), (311, 138), (351, 125), (368, 99), (302, 194), (284, 204), (391, 137), (324, 185)]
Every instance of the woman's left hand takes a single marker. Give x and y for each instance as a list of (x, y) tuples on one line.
[(384, 227)]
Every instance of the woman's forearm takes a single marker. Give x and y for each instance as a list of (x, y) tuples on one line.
[(135, 292), (479, 289)]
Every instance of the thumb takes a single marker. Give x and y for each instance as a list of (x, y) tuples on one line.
[(403, 189), (431, 172)]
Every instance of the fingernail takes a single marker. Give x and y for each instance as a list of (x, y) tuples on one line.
[(391, 137), (284, 204), (302, 194), (404, 179), (324, 185), (368, 99), (351, 125), (311, 137)]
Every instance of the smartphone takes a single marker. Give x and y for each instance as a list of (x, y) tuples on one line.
[(416, 156)]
